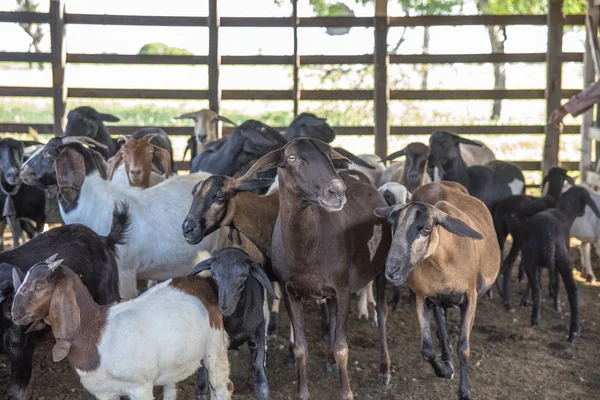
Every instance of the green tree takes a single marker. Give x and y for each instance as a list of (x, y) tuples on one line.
[(163, 50)]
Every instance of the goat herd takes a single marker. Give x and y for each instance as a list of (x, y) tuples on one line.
[(261, 215)]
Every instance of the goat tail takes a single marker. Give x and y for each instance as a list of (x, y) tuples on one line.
[(121, 223)]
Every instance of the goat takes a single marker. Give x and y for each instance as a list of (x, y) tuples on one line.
[(103, 343), (91, 256), (19, 203), (156, 250), (86, 121), (132, 165), (326, 244), (309, 125), (241, 285), (434, 253), (205, 130), (394, 193), (490, 183), (249, 141), (413, 173), (546, 245), (587, 229), (510, 215)]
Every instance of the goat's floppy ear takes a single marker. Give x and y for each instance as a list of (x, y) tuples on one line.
[(345, 155), (16, 279), (395, 155), (202, 266), (165, 160), (70, 173), (569, 180), (455, 226), (227, 120), (259, 274), (64, 317), (385, 212), (469, 141), (114, 164), (108, 118), (592, 204), (433, 162), (266, 162), (252, 184)]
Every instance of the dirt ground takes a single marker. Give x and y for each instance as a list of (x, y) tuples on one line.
[(509, 359)]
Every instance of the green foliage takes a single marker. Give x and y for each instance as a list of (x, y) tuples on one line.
[(162, 49), (532, 7)]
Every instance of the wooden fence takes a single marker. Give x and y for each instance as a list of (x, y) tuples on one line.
[(57, 18)]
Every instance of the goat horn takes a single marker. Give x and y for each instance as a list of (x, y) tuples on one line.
[(53, 265), (123, 138), (51, 258), (84, 140), (150, 136)]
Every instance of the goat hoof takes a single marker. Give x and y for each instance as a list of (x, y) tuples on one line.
[(363, 318), (464, 396), (590, 278), (558, 315), (535, 324), (332, 367), (203, 397), (384, 379), (374, 323), (507, 307), (448, 370)]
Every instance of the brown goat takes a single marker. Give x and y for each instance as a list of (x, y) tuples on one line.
[(413, 173), (137, 155), (433, 251), (326, 244)]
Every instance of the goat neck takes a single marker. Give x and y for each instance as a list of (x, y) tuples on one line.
[(83, 354), (456, 171), (255, 218)]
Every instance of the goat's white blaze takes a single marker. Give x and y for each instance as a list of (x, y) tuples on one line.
[(516, 186), (374, 241)]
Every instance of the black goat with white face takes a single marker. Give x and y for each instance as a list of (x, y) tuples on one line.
[(86, 121), (241, 284), (19, 201)]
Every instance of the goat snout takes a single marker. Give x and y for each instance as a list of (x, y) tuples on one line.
[(135, 172), (192, 231), (334, 196), (12, 176), (27, 175)]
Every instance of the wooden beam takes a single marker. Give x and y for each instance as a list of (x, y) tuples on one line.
[(6, 56), (19, 91), (587, 121), (176, 94), (214, 57), (553, 82), (76, 58), (58, 42), (296, 72), (134, 20), (381, 90), (24, 17)]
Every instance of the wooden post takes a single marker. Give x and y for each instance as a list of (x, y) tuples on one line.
[(214, 56), (296, 59), (59, 61), (588, 77), (553, 82), (381, 92)]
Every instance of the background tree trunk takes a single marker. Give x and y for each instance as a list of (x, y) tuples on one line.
[(425, 67)]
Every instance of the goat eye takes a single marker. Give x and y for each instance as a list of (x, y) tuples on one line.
[(291, 158), (39, 288), (46, 153)]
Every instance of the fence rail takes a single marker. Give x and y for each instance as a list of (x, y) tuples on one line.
[(381, 93)]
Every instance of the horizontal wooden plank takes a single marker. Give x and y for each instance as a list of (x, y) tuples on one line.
[(473, 94), (22, 16), (257, 60), (134, 20), (335, 22), (479, 58), (78, 58), (138, 93), (17, 91), (25, 57), (454, 20), (336, 59)]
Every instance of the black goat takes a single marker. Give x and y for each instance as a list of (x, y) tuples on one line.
[(490, 183), (546, 244), (510, 215), (91, 256), (309, 125), (86, 121), (241, 284), (17, 200)]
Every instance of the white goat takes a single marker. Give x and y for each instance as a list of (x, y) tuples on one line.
[(374, 175), (587, 230)]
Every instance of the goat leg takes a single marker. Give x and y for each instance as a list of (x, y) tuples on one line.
[(467, 314), (533, 275), (274, 317), (258, 351), (555, 287), (427, 349), (506, 268), (202, 387), (395, 297), (442, 334), (566, 271), (295, 312), (332, 308), (20, 348), (325, 323), (342, 301), (385, 375)]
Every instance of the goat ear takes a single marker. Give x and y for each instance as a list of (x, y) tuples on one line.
[(108, 118), (28, 143), (266, 162), (165, 160), (342, 154), (122, 139), (592, 204), (252, 184), (114, 164), (16, 279), (64, 317), (259, 274), (202, 266), (385, 212), (394, 155), (469, 141), (569, 180), (433, 162), (51, 258), (227, 120), (456, 226), (70, 173)]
